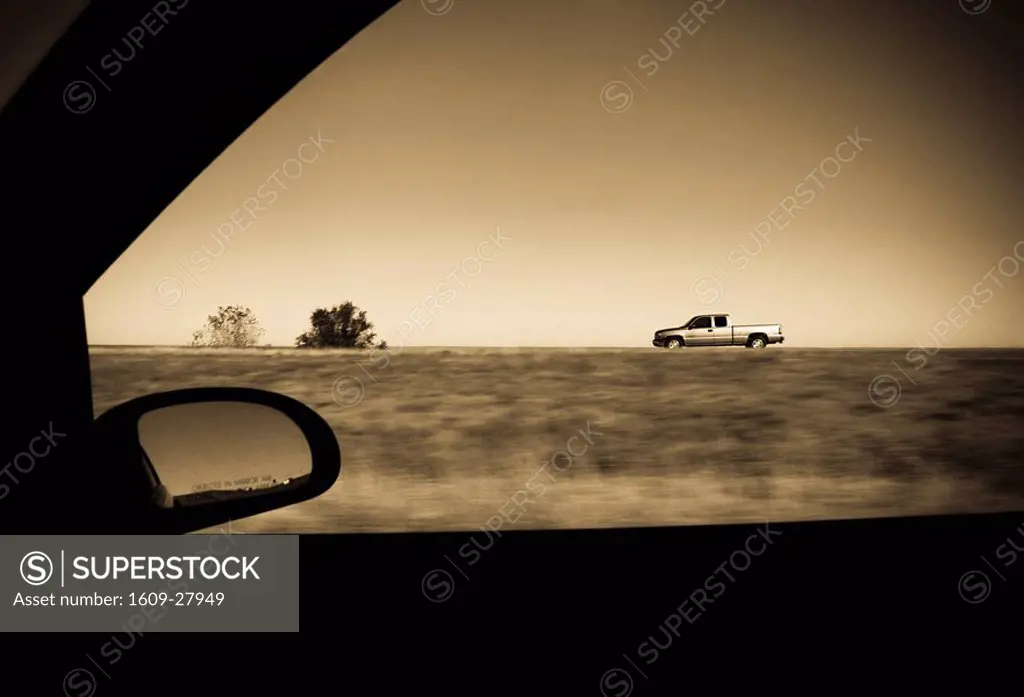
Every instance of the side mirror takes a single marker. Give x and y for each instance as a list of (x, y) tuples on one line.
[(201, 457)]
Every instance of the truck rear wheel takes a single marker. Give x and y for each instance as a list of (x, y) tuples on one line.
[(758, 343)]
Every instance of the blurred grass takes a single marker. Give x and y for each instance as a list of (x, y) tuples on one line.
[(443, 437)]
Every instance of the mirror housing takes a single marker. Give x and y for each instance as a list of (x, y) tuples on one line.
[(116, 435)]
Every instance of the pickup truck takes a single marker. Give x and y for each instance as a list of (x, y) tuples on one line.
[(718, 330)]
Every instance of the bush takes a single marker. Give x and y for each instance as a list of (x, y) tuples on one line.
[(233, 326), (342, 326)]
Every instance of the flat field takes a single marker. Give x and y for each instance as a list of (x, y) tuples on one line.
[(443, 439)]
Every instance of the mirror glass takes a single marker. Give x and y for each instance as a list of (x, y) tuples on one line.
[(223, 446)]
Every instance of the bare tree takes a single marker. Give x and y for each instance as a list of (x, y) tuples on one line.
[(233, 326)]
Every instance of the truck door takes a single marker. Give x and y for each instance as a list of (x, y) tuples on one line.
[(723, 331), (701, 333)]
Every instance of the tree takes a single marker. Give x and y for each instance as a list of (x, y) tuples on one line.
[(233, 326), (342, 326)]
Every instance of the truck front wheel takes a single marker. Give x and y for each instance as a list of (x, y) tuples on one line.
[(673, 344)]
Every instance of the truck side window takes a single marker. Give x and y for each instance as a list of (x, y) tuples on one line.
[(720, 321), (702, 323)]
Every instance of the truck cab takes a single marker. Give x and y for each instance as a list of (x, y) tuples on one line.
[(708, 330)]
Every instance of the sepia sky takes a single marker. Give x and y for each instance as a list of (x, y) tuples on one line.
[(623, 207)]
